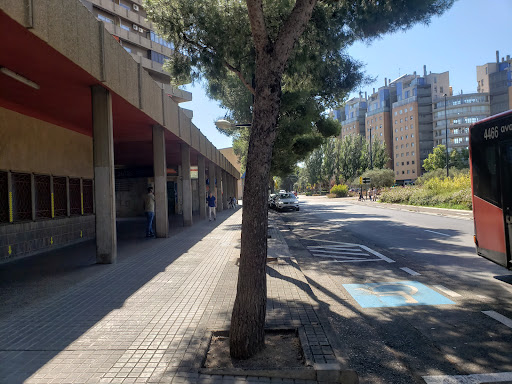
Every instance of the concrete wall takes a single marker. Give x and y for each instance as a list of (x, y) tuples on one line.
[(130, 195), (34, 146), (24, 239)]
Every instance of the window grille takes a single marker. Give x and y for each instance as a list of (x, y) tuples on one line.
[(88, 196), (75, 199), (4, 198), (43, 196), (60, 198), (21, 197)]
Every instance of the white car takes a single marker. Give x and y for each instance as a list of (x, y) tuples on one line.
[(286, 201)]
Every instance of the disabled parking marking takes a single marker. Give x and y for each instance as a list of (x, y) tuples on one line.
[(394, 294), (470, 379)]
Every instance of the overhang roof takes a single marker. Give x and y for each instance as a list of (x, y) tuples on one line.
[(43, 54)]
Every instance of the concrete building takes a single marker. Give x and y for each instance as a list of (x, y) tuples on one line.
[(352, 123), (84, 130), (461, 112), (495, 79), (379, 125), (229, 153), (412, 121), (126, 21)]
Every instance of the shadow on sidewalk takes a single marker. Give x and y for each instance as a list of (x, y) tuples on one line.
[(52, 299)]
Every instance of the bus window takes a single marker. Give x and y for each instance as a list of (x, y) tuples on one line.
[(485, 174)]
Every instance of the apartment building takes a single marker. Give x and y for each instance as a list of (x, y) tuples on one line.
[(378, 124), (126, 21), (353, 120), (412, 121), (461, 111), (495, 79)]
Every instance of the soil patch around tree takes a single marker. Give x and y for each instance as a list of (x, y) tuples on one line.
[(283, 351)]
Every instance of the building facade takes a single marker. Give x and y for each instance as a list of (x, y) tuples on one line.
[(85, 132), (412, 121), (353, 118), (461, 111), (495, 79), (126, 21), (379, 126)]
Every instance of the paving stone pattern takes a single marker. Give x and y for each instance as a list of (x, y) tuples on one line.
[(145, 319)]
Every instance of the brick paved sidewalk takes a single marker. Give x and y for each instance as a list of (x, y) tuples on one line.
[(145, 319)]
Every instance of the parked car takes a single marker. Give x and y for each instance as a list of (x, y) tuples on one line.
[(272, 200), (286, 201)]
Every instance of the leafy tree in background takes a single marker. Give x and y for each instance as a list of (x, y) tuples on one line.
[(435, 160), (379, 154), (272, 45)]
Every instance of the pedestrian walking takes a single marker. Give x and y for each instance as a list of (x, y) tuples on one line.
[(149, 210), (212, 204)]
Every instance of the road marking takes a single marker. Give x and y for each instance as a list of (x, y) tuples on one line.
[(394, 294), (449, 292), (469, 379), (496, 316), (349, 252), (437, 233), (410, 271)]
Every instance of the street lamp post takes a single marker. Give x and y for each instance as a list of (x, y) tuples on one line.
[(446, 132), (371, 158)]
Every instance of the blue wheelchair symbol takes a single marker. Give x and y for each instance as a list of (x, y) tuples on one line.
[(394, 294)]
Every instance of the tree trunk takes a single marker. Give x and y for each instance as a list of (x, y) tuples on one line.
[(247, 333)]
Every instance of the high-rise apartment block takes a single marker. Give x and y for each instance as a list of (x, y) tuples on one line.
[(412, 121), (460, 112), (126, 21), (352, 123), (496, 80), (378, 117)]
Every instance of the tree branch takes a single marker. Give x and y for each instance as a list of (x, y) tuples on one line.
[(292, 29), (258, 26), (240, 76)]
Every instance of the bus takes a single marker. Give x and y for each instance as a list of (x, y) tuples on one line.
[(490, 154)]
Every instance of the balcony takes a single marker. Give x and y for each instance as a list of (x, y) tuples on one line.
[(405, 101), (134, 17)]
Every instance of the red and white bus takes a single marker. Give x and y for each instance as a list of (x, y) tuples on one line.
[(490, 154)]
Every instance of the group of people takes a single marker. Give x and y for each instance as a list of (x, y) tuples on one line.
[(372, 195), (149, 209)]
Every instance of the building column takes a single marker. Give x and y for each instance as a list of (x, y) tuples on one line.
[(104, 183), (201, 185), (220, 201), (225, 190), (160, 172), (187, 185)]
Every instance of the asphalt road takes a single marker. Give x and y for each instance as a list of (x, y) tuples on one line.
[(405, 293)]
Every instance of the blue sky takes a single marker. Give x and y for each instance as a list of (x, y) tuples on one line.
[(469, 34)]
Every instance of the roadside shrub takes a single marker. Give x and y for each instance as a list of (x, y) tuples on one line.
[(462, 198), (340, 190), (421, 196), (398, 195), (331, 195)]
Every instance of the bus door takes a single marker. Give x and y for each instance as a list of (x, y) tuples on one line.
[(506, 190)]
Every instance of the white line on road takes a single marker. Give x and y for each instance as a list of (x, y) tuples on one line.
[(377, 254), (410, 271), (348, 261), (496, 316), (449, 292), (438, 233), (469, 379), (343, 245)]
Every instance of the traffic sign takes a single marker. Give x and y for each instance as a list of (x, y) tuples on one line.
[(366, 180)]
